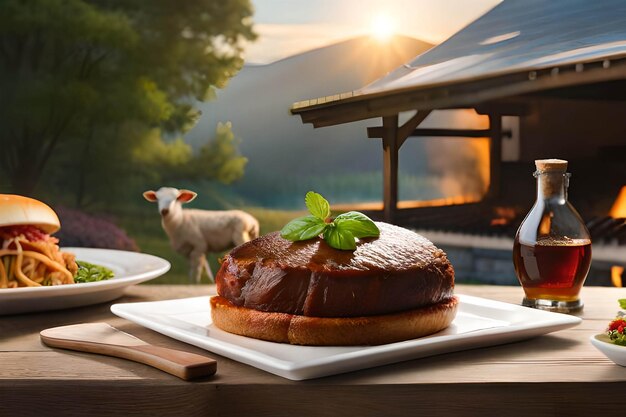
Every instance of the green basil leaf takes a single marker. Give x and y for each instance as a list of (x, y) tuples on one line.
[(339, 238), (340, 234), (303, 228), (622, 303), (317, 205), (358, 224)]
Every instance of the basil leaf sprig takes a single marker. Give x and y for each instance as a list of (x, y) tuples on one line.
[(341, 233)]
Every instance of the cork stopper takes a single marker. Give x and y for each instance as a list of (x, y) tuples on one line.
[(551, 165), (551, 185)]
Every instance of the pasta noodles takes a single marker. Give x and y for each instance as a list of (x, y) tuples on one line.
[(31, 258)]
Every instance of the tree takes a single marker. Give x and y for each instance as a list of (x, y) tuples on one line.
[(218, 159), (76, 74)]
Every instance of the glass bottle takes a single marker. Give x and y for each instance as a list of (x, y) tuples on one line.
[(552, 249)]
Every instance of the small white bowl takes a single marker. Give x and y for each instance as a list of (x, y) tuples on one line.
[(614, 352)]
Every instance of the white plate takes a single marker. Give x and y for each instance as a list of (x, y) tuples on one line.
[(129, 268), (479, 322), (616, 353)]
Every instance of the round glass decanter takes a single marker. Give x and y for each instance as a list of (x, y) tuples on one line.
[(552, 249)]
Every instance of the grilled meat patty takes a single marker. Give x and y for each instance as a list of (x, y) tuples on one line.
[(398, 271)]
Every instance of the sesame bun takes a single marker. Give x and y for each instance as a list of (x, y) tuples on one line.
[(329, 331), (18, 210)]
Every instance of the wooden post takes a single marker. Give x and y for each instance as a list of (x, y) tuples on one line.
[(495, 155), (390, 167), (393, 137)]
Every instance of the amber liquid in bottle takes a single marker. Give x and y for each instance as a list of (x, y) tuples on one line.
[(552, 248), (552, 269)]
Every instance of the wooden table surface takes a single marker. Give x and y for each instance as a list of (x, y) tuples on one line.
[(556, 374)]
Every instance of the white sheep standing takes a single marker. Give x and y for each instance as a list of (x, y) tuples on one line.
[(193, 232)]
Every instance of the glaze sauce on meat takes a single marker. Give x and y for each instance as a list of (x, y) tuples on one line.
[(398, 271)]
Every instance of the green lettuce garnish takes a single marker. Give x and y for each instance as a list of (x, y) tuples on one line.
[(88, 272)]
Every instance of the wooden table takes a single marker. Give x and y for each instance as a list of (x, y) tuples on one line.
[(557, 374)]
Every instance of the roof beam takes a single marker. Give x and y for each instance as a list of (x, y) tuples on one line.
[(377, 132), (503, 108), (409, 126), (402, 132)]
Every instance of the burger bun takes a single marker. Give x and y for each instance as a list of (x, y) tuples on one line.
[(331, 331), (19, 210)]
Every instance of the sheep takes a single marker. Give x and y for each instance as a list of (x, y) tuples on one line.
[(193, 233)]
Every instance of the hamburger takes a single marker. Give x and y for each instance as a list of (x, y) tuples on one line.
[(17, 212), (29, 256), (393, 287)]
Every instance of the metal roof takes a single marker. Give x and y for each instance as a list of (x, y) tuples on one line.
[(519, 47)]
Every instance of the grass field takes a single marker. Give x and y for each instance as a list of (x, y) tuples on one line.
[(145, 228)]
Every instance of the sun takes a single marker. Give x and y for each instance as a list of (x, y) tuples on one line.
[(382, 27)]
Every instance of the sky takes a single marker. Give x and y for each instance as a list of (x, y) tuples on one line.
[(288, 27)]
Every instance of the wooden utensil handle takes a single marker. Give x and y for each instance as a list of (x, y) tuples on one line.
[(184, 365)]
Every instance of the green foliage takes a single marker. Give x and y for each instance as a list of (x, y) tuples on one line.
[(341, 233), (162, 161), (77, 75), (219, 158), (154, 154), (303, 228), (339, 238), (318, 206), (357, 223)]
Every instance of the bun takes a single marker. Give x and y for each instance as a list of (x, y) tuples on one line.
[(18, 210), (329, 331)]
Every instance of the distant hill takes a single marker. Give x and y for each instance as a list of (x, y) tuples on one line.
[(284, 154)]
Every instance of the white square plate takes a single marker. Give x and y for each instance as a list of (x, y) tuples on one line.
[(479, 322)]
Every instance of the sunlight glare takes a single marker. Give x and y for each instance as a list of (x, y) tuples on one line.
[(382, 27)]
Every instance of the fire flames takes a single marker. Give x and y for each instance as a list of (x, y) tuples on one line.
[(504, 216), (618, 211), (439, 202), (616, 275)]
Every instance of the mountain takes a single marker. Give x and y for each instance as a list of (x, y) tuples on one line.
[(287, 156)]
